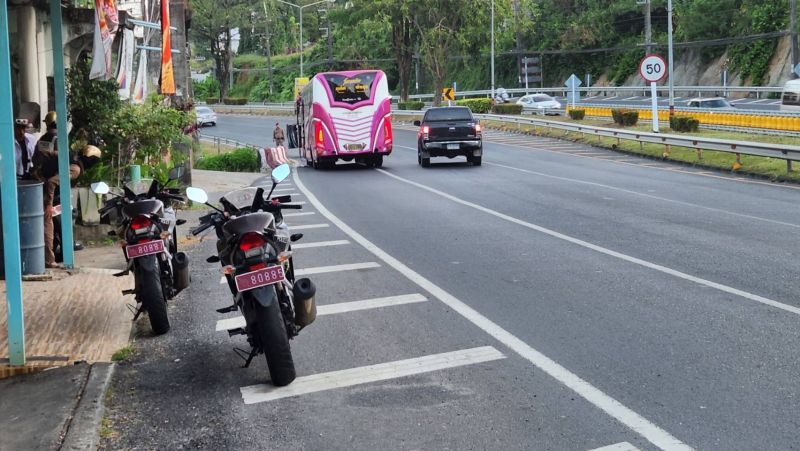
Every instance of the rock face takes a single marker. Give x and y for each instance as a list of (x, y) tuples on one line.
[(690, 70)]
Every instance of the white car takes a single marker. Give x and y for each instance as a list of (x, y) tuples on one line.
[(540, 103), (205, 116), (710, 103)]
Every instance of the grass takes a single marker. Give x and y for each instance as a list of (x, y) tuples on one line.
[(207, 148), (771, 168), (122, 354)]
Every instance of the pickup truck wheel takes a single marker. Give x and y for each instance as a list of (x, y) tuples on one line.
[(424, 162)]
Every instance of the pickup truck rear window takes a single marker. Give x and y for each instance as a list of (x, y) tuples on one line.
[(448, 114)]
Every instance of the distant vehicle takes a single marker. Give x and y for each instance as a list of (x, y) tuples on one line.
[(345, 116), (501, 96), (715, 103), (539, 103), (205, 116), (449, 132), (790, 100)]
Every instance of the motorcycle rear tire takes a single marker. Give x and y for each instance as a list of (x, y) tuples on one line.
[(271, 333), (150, 294)]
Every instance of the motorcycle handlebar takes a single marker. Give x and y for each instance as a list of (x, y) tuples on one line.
[(202, 227)]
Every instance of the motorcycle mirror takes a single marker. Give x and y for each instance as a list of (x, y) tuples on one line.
[(280, 173), (417, 123), (176, 172), (100, 188), (196, 195), (213, 259)]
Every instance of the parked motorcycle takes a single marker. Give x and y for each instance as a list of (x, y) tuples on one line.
[(254, 248), (147, 229)]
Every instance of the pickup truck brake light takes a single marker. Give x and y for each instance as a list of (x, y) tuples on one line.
[(477, 129), (425, 131)]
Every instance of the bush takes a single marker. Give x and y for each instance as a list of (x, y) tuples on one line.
[(235, 101), (240, 160), (507, 108), (212, 100), (577, 115), (411, 105), (625, 118), (684, 124), (478, 106)]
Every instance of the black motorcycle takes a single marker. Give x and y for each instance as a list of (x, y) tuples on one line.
[(147, 228), (254, 248)]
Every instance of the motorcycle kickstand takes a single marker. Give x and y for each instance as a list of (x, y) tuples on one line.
[(241, 353)]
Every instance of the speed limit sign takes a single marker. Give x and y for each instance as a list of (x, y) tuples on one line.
[(653, 68)]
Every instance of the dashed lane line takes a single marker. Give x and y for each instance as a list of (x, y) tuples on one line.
[(305, 213), (341, 307), (336, 268), (372, 373), (592, 394), (308, 226)]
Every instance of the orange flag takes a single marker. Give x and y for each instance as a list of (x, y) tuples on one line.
[(167, 71)]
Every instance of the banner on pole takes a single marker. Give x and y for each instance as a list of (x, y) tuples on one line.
[(106, 24), (167, 70), (125, 73), (140, 88)]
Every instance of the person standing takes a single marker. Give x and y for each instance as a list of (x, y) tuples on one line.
[(278, 135), (24, 147)]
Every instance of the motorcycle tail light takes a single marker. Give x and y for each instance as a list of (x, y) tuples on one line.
[(141, 224), (252, 244)]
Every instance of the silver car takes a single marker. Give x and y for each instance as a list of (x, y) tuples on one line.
[(205, 116), (715, 103), (539, 103)]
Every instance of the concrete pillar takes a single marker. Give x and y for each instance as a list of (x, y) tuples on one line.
[(29, 61)]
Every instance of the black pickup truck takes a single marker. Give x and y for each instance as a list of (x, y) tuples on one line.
[(449, 132)]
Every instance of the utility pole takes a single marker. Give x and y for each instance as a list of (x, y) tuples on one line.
[(492, 39), (648, 27), (518, 39), (793, 25), (268, 47), (671, 65)]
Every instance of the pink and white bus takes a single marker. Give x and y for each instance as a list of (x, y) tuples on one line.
[(345, 116)]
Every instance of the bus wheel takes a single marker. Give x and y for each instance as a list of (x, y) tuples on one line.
[(378, 161)]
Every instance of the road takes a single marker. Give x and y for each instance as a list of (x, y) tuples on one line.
[(558, 297)]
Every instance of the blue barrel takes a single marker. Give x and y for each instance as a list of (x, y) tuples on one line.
[(31, 225)]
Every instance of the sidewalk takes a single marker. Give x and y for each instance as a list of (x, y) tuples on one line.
[(73, 325)]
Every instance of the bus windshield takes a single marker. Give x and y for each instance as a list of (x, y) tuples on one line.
[(350, 90)]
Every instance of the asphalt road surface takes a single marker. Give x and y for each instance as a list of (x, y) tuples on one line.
[(559, 297)]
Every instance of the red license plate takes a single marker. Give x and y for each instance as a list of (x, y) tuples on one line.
[(259, 278), (142, 249)]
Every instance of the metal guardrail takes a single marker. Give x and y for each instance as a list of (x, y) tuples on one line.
[(779, 151), (220, 141), (692, 91)]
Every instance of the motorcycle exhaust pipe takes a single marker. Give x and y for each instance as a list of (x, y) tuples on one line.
[(305, 307), (180, 271)]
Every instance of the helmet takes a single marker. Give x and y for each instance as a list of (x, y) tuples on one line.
[(50, 118), (91, 151)]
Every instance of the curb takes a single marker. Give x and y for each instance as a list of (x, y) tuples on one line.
[(82, 429)]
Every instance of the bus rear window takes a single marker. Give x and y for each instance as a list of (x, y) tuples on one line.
[(351, 89)]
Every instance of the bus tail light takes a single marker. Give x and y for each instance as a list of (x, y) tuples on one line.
[(387, 129), (318, 137)]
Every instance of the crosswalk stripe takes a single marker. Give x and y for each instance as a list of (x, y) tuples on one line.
[(371, 373), (336, 268), (308, 226), (319, 244), (305, 213), (622, 446), (342, 307)]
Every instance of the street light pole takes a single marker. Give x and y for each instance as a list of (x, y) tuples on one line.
[(300, 8), (492, 39), (671, 65)]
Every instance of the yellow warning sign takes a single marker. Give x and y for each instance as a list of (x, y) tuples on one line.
[(299, 84), (448, 94)]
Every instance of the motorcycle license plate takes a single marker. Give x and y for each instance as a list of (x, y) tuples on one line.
[(142, 249), (452, 147), (259, 278)]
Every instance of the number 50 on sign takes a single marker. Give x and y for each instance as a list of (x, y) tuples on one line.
[(653, 68)]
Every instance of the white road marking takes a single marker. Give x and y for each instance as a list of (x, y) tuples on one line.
[(649, 196), (308, 226), (764, 100), (295, 203), (335, 268), (740, 100), (223, 280), (630, 98), (603, 250), (596, 397), (623, 446), (342, 307), (319, 244), (372, 373), (305, 213), (777, 102)]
